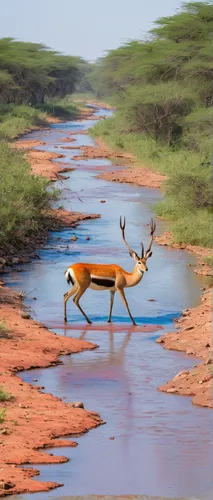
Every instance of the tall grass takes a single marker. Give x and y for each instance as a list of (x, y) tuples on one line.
[(188, 191), (61, 108), (23, 200), (18, 119)]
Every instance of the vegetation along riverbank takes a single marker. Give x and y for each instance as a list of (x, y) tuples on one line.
[(162, 90), (26, 216), (35, 88)]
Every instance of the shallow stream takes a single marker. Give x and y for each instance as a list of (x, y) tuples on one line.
[(163, 445)]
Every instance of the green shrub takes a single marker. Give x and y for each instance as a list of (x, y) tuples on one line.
[(23, 199), (2, 415), (62, 108), (188, 190), (5, 396), (18, 119)]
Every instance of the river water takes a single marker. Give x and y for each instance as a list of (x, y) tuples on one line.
[(162, 444)]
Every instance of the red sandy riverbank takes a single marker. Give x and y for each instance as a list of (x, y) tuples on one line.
[(136, 175), (194, 335), (32, 420)]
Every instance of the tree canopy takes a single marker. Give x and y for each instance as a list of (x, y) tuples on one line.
[(162, 88), (31, 73), (158, 82)]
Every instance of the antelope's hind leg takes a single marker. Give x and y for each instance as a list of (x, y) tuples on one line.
[(67, 295), (76, 299)]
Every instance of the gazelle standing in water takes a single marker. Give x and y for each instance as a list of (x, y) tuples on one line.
[(107, 276)]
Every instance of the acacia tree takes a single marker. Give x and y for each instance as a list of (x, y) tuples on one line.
[(156, 83), (31, 73)]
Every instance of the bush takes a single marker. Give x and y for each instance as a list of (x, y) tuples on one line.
[(5, 396), (62, 108), (188, 190), (18, 119), (23, 199)]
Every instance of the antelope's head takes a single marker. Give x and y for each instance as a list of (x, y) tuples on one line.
[(141, 262)]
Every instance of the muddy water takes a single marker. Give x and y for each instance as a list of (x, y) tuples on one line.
[(162, 444)]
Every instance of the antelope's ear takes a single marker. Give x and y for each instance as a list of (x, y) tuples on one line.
[(134, 255), (149, 254)]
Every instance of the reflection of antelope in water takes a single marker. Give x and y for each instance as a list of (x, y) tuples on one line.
[(107, 276), (109, 366)]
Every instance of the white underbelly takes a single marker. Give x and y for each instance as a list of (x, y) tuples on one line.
[(93, 286)]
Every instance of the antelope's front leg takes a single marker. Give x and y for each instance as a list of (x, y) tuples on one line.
[(122, 294), (112, 296)]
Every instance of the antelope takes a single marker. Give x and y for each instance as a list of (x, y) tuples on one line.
[(107, 276)]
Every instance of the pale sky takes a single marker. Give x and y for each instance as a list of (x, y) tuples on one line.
[(81, 27)]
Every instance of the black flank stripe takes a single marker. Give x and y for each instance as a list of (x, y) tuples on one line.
[(70, 280), (103, 282)]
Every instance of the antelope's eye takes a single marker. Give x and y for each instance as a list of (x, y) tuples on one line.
[(139, 262)]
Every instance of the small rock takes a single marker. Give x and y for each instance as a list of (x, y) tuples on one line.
[(152, 300), (15, 260), (2, 261), (7, 486), (112, 438), (102, 201), (35, 380), (185, 312), (5, 431), (209, 361), (87, 238), (207, 345), (21, 405), (74, 238), (181, 374), (171, 390), (77, 404), (160, 341), (190, 352), (25, 315)]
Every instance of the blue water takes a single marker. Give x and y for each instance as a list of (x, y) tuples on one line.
[(163, 444)]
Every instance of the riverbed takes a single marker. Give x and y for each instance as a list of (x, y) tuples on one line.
[(153, 443)]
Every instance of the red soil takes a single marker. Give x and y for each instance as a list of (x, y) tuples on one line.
[(194, 336), (33, 420), (68, 139), (137, 175), (101, 151), (166, 239), (96, 103)]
